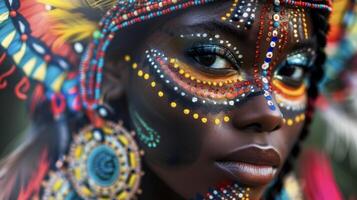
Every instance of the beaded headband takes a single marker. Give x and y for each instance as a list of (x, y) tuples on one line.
[(49, 57)]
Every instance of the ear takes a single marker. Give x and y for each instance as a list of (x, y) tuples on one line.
[(115, 80)]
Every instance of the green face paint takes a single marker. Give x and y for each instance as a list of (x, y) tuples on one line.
[(145, 133)]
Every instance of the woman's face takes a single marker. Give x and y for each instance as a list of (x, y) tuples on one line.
[(219, 98)]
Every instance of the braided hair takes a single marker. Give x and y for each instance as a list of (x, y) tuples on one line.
[(321, 28)]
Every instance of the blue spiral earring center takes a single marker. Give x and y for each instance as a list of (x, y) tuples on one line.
[(103, 166)]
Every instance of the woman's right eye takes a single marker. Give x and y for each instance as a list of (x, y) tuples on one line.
[(213, 61), (213, 58)]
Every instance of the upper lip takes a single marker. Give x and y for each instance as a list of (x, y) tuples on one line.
[(254, 155)]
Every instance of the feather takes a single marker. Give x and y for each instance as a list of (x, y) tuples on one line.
[(101, 4), (71, 22), (72, 27), (38, 17)]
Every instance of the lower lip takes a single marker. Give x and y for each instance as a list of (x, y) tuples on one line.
[(249, 174)]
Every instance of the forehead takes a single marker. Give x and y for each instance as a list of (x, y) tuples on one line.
[(242, 20)]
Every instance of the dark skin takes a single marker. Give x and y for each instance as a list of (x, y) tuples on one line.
[(184, 162)]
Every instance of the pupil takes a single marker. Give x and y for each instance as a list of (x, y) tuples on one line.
[(207, 60), (287, 71)]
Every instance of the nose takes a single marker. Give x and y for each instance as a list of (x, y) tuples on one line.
[(256, 116)]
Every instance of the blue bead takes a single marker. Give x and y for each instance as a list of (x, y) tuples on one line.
[(272, 108), (276, 24)]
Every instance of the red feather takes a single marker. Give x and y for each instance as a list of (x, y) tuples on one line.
[(41, 23)]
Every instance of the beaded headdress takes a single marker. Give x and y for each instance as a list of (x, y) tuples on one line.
[(59, 45)]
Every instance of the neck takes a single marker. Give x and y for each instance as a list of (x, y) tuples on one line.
[(154, 188)]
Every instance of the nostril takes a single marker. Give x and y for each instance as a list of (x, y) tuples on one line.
[(256, 127), (259, 124), (276, 128)]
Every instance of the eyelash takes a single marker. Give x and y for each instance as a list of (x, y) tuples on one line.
[(212, 49), (303, 63)]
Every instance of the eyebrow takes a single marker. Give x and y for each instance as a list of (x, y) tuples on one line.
[(212, 25), (304, 44)]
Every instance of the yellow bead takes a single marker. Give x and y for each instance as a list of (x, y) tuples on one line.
[(135, 65), (127, 58), (186, 111), (173, 104), (217, 121), (204, 120), (196, 116), (181, 71), (153, 84), (140, 73), (297, 119), (146, 76), (302, 116), (160, 93), (226, 119), (290, 122)]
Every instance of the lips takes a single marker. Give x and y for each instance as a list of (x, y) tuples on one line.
[(251, 165)]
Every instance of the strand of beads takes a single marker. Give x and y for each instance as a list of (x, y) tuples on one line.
[(228, 192), (269, 56), (308, 5)]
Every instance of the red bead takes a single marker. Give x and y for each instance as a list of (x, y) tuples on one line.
[(13, 13), (24, 37), (47, 58)]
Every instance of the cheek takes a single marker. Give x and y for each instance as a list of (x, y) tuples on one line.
[(159, 121), (292, 103)]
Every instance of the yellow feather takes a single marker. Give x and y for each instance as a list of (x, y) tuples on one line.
[(74, 31), (71, 25), (101, 4), (62, 4)]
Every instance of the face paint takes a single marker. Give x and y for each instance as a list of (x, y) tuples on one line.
[(190, 88), (298, 25), (242, 13), (162, 86), (290, 87), (145, 133), (265, 67)]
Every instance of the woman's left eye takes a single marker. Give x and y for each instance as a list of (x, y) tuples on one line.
[(294, 69), (291, 75)]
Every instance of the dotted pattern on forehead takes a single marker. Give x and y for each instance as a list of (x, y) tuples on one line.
[(242, 13)]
